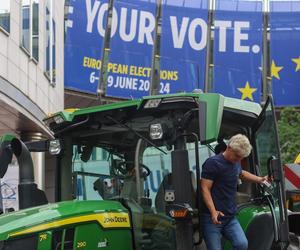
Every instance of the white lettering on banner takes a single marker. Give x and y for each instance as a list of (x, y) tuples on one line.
[(146, 24), (132, 83), (91, 13), (192, 34), (93, 78), (222, 25), (100, 21), (239, 36), (183, 29), (178, 37), (114, 23), (164, 88), (145, 31), (133, 24)]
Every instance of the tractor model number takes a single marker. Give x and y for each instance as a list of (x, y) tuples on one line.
[(43, 237), (81, 244)]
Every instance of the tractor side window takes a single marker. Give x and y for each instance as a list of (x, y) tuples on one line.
[(266, 142), (160, 166), (29, 242), (91, 160), (244, 189)]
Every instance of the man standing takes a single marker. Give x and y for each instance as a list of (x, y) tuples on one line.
[(220, 175)]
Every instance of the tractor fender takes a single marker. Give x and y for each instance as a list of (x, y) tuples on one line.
[(257, 223)]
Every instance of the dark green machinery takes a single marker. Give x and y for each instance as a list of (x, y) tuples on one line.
[(106, 202)]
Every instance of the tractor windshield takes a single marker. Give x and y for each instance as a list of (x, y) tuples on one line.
[(103, 175), (98, 177)]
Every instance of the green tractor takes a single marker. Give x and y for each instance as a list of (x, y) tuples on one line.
[(109, 202)]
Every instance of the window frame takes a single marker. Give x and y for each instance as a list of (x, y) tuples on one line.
[(2, 28), (29, 51), (50, 34)]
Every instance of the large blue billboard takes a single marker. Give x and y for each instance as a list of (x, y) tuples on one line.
[(285, 52), (238, 49), (84, 44), (181, 48)]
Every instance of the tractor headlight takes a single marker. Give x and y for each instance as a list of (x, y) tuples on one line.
[(54, 147), (58, 119), (156, 131)]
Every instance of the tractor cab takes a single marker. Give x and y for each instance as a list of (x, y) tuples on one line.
[(146, 155)]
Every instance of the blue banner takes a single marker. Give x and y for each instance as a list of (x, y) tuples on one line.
[(183, 45), (238, 49), (84, 44), (131, 46), (285, 52)]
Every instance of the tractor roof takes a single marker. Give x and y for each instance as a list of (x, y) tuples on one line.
[(213, 108)]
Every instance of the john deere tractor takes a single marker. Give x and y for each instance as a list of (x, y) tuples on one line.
[(128, 176)]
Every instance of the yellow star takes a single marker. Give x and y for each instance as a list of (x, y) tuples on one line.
[(247, 91), (297, 61), (275, 70)]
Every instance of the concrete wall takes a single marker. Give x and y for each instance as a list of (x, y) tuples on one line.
[(26, 94), (27, 75)]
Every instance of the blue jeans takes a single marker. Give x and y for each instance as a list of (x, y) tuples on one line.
[(230, 228)]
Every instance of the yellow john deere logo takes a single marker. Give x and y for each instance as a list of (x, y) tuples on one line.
[(106, 220)]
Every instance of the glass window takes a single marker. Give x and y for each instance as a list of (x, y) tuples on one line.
[(95, 179), (30, 27), (160, 165), (53, 62), (266, 142), (26, 25), (50, 44), (4, 15), (35, 29)]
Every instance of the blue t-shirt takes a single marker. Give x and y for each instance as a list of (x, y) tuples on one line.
[(224, 175)]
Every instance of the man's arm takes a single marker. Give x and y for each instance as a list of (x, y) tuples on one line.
[(247, 176), (206, 186)]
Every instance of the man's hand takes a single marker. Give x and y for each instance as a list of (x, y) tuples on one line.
[(262, 179), (245, 175), (215, 216), (265, 180)]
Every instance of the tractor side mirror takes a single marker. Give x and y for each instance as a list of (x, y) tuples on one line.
[(273, 165), (86, 153)]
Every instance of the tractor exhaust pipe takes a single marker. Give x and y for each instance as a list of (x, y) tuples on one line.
[(29, 194), (20, 150)]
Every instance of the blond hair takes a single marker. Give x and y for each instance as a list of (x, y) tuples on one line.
[(240, 144)]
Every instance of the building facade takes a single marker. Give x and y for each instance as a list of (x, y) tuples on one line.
[(31, 69)]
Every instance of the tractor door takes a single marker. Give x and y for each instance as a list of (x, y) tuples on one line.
[(268, 162)]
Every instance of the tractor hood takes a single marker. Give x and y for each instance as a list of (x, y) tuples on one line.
[(108, 214)]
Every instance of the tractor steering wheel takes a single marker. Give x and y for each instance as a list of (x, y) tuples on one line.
[(120, 169)]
